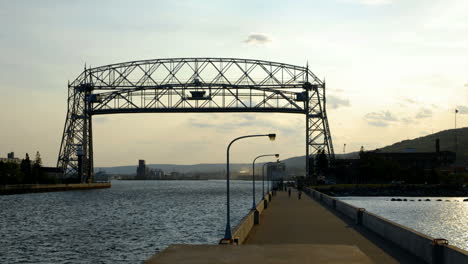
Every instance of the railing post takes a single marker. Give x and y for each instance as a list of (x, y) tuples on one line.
[(438, 245), (359, 216)]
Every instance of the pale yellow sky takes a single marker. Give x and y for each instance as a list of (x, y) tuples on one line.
[(394, 70)]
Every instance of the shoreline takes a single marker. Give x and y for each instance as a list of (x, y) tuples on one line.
[(41, 188)]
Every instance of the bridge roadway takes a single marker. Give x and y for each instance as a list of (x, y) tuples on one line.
[(305, 221)]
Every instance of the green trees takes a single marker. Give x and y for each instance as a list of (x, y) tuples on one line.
[(321, 161), (38, 174), (27, 172), (10, 173)]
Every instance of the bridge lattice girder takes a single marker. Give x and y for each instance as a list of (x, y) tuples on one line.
[(189, 85)]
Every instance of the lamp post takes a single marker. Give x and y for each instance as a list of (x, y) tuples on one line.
[(455, 132), (227, 234), (253, 177)]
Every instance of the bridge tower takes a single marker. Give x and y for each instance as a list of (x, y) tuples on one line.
[(197, 85)]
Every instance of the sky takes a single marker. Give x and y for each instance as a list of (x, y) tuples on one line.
[(395, 70)]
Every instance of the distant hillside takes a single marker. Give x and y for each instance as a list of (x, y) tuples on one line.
[(427, 143), (297, 164)]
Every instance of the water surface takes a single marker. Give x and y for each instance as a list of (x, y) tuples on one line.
[(124, 224), (438, 219)]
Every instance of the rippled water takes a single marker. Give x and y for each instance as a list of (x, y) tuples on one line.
[(124, 224), (439, 219)]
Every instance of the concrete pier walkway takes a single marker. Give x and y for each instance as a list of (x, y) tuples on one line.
[(293, 221)]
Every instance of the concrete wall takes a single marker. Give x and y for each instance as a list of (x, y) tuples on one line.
[(424, 247), (328, 200), (348, 210), (455, 255), (416, 243), (242, 230)]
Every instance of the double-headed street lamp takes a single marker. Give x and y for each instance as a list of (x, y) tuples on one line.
[(227, 234), (253, 177)]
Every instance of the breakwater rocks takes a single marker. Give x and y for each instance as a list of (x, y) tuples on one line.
[(422, 200), (394, 190)]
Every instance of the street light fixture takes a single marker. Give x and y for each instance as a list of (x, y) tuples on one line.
[(272, 137), (253, 177), (227, 234)]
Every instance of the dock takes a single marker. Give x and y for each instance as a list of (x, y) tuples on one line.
[(289, 220)]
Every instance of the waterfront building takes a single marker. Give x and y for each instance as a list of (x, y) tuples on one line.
[(422, 164), (276, 171), (146, 173), (53, 172), (11, 158), (141, 170)]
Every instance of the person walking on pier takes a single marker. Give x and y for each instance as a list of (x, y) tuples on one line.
[(289, 192), (299, 194)]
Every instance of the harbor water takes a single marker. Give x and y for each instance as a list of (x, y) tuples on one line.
[(437, 217), (133, 220)]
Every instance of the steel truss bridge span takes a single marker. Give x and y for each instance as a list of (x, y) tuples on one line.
[(196, 85)]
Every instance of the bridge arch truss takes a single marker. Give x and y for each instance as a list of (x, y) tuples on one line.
[(196, 85)]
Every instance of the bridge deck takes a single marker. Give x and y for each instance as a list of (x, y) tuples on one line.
[(293, 221)]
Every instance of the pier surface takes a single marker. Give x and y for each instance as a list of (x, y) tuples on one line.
[(293, 221), (259, 254)]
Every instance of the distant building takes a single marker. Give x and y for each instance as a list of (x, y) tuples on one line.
[(276, 171), (101, 176), (349, 170), (141, 170), (413, 159), (154, 174), (420, 160), (11, 158), (53, 172), (145, 173)]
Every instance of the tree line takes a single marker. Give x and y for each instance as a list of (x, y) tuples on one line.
[(27, 172)]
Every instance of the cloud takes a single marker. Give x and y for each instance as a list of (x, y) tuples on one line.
[(257, 38), (335, 102), (242, 121), (462, 109), (247, 117), (380, 119), (424, 113), (407, 120), (381, 116), (377, 123), (409, 100)]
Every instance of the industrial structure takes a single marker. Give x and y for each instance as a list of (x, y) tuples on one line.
[(196, 85)]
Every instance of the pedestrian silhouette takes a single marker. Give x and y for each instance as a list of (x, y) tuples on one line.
[(289, 192), (299, 194)]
